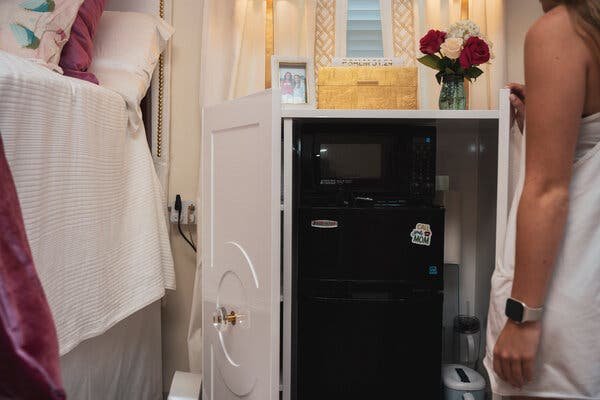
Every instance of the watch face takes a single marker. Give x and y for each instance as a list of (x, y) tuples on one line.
[(514, 310)]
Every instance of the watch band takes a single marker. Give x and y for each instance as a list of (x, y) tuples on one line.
[(532, 314)]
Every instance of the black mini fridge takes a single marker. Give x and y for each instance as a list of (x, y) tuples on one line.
[(368, 302)]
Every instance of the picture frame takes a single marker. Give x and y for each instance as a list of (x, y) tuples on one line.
[(295, 77)]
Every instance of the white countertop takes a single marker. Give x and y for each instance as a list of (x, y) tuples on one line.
[(391, 114)]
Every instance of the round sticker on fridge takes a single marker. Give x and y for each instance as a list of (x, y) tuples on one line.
[(421, 235)]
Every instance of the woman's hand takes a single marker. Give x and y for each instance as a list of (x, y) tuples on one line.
[(517, 102), (516, 351)]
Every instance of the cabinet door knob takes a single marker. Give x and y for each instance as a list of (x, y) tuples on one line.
[(221, 319)]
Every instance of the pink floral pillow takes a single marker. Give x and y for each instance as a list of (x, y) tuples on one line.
[(37, 29)]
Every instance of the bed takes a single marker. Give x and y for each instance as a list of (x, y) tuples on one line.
[(91, 192)]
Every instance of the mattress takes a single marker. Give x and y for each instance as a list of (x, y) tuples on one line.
[(93, 207)]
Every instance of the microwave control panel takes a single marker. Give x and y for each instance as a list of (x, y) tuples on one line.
[(423, 166)]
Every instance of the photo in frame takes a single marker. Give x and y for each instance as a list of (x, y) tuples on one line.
[(294, 76)]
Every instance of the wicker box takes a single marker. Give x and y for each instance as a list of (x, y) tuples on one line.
[(378, 88)]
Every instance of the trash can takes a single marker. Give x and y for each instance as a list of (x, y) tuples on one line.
[(462, 383)]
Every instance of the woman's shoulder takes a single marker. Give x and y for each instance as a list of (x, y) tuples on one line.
[(555, 24), (555, 32)]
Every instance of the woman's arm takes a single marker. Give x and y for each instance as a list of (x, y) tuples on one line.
[(555, 70), (556, 62)]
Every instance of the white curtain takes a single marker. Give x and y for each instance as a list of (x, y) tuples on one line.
[(233, 48), (233, 43), (489, 15), (294, 22)]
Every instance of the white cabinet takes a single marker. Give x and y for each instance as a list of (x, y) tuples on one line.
[(247, 228)]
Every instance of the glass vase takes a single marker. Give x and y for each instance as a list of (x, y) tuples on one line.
[(452, 95)]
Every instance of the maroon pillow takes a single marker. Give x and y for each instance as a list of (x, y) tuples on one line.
[(76, 56)]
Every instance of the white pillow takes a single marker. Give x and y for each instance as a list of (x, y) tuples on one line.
[(127, 47)]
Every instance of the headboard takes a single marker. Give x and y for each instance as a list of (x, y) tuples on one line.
[(160, 89)]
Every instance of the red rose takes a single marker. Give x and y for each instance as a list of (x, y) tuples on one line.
[(475, 52), (432, 41)]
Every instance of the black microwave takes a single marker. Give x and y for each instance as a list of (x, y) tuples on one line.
[(361, 164)]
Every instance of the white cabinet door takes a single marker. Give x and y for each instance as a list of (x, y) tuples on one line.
[(241, 169)]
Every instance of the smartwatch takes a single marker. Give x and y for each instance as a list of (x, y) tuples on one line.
[(519, 312)]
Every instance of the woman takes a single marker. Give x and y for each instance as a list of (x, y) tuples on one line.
[(287, 88), (299, 90), (544, 319)]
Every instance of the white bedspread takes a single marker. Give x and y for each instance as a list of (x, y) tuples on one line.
[(92, 204)]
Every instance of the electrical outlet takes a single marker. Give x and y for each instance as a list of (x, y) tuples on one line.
[(188, 212)]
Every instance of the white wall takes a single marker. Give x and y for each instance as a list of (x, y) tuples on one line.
[(520, 15), (185, 158)]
